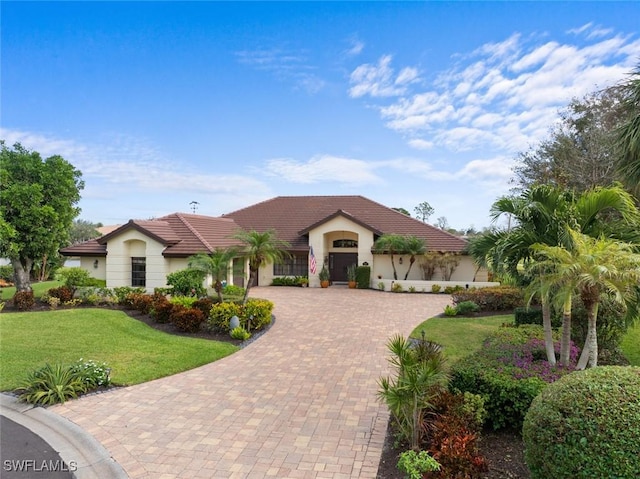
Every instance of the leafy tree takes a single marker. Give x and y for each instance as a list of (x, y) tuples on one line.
[(629, 133), (38, 201), (413, 246), (423, 211), (581, 152), (392, 244), (592, 267), (83, 230), (215, 264), (260, 248), (402, 210)]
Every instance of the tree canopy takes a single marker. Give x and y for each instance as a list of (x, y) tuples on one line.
[(38, 202)]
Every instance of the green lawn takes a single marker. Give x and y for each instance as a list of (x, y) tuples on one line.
[(134, 351), (460, 336), (463, 336), (38, 289)]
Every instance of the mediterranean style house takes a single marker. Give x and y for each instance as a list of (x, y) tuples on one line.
[(337, 231)]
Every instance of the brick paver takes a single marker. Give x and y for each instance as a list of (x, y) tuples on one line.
[(300, 402)]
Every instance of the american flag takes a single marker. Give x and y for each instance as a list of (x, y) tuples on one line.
[(312, 261)]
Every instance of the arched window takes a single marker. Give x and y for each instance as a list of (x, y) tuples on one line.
[(345, 243)]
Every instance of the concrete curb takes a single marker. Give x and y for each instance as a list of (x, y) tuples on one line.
[(72, 442)]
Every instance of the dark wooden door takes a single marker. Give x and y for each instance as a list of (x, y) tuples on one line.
[(338, 264)]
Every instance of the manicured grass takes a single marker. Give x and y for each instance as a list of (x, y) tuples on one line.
[(463, 336), (38, 289), (631, 345), (134, 351), (460, 336)]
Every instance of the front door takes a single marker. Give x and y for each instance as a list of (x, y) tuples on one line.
[(338, 264)]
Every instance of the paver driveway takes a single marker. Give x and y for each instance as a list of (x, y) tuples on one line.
[(300, 402)]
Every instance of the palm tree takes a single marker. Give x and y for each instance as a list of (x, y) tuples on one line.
[(629, 135), (544, 214), (260, 248), (215, 265), (413, 246), (593, 267), (392, 244)]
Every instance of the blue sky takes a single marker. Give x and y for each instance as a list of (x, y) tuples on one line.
[(163, 103)]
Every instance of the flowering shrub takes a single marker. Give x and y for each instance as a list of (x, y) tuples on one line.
[(92, 373), (509, 371), (496, 298)]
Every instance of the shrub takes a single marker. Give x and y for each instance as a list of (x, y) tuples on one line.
[(51, 384), (586, 425), (63, 293), (256, 314), (139, 301), (187, 282), (184, 301), (466, 307), (187, 320), (233, 290), (73, 278), (162, 309), (453, 289), (415, 464), (92, 373), (396, 288), (285, 281), (23, 300), (221, 314), (6, 273), (240, 333), (381, 285), (455, 433), (97, 296), (496, 298), (122, 292), (435, 288), (450, 310), (509, 371), (204, 305), (363, 277), (52, 301)]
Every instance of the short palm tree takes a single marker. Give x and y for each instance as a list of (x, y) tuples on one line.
[(413, 246), (215, 265), (592, 267), (260, 248), (391, 244)]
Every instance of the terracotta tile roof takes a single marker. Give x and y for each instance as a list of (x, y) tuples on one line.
[(293, 216), (88, 248)]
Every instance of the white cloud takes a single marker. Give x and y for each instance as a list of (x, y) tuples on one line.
[(513, 87), (420, 144), (356, 46), (323, 168), (380, 80)]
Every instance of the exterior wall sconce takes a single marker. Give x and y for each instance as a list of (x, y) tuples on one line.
[(95, 264)]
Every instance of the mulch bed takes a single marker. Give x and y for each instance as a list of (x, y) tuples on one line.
[(503, 451)]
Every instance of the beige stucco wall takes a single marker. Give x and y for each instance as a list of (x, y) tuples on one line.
[(322, 237), (100, 272), (466, 271)]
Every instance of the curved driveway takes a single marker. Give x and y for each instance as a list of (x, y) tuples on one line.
[(300, 402)]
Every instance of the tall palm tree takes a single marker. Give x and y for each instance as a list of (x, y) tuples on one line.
[(392, 244), (545, 214), (629, 136), (215, 265), (260, 248), (413, 246), (593, 267)]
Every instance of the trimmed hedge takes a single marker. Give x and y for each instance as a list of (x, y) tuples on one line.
[(363, 277), (509, 372), (495, 298), (586, 425)]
